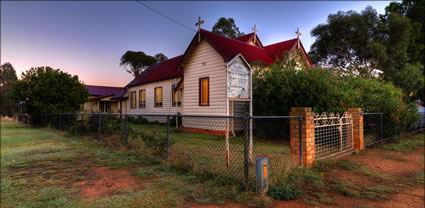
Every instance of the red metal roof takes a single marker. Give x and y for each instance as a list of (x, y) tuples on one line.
[(229, 48), (102, 91), (159, 71), (120, 94), (248, 38), (226, 47), (277, 50)]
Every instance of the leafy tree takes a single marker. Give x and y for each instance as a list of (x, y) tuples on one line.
[(285, 85), (7, 78), (344, 41), (137, 62), (49, 91), (160, 57), (227, 27), (415, 12), (370, 46)]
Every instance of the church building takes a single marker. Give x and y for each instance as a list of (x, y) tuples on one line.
[(212, 77)]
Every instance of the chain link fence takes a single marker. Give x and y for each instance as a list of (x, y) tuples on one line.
[(377, 128), (217, 145)]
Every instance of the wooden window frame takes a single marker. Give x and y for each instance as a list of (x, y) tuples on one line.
[(142, 105), (162, 98), (200, 91), (131, 100)]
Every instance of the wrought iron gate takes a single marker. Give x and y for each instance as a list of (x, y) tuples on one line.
[(333, 134)]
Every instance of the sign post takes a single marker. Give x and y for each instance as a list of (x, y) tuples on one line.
[(239, 88)]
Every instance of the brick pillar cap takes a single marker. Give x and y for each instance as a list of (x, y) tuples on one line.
[(301, 109), (354, 109)]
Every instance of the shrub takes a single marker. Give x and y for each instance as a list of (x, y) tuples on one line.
[(155, 143), (284, 192), (283, 86), (137, 120), (110, 124), (49, 91)]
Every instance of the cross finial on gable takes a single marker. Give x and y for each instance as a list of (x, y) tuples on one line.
[(199, 23), (255, 33), (298, 37)]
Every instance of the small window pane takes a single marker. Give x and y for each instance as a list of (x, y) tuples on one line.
[(204, 91)]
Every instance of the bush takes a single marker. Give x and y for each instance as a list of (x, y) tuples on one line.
[(283, 86), (110, 124), (284, 192), (155, 143), (137, 120)]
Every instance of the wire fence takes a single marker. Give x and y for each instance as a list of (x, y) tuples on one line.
[(218, 145), (377, 128)]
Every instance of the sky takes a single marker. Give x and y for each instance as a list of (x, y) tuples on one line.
[(88, 38)]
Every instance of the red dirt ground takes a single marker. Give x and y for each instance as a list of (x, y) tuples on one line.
[(379, 160), (375, 159), (228, 205), (411, 197), (103, 182)]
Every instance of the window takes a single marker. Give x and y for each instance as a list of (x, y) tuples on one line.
[(177, 98), (142, 98), (204, 91), (133, 99), (158, 97)]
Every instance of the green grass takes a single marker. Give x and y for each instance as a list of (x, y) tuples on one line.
[(206, 152), (406, 143), (38, 166), (391, 157)]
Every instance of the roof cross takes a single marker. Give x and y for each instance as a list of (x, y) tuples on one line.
[(255, 33), (298, 37), (199, 23)]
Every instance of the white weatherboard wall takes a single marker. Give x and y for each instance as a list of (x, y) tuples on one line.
[(204, 61), (150, 109)]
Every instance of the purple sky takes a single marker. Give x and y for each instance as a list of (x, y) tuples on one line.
[(88, 38)]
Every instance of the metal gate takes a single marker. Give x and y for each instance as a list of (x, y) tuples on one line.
[(333, 134)]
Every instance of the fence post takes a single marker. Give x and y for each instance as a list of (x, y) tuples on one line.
[(100, 127), (82, 124), (168, 137), (302, 136), (357, 116), (247, 120), (60, 121), (125, 130), (380, 115)]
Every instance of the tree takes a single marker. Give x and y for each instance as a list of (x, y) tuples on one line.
[(7, 78), (415, 12), (345, 40), (286, 85), (160, 57), (370, 46), (227, 27), (137, 62), (48, 91)]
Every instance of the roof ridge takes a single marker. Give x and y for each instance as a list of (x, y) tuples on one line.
[(102, 86), (233, 39), (280, 42)]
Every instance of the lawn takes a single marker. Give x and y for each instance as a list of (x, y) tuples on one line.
[(48, 168), (206, 152)]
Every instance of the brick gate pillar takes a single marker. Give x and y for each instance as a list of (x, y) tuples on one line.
[(307, 130), (358, 137)]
